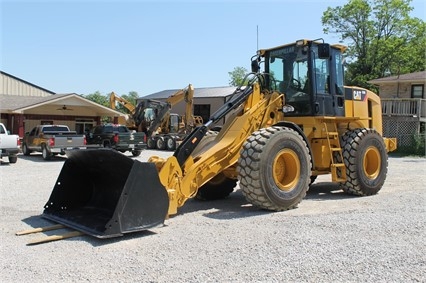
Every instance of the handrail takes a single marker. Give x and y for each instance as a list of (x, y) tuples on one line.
[(409, 107)]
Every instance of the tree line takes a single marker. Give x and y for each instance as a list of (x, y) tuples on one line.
[(382, 40)]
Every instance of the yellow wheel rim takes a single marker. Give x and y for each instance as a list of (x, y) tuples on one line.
[(286, 169), (372, 162)]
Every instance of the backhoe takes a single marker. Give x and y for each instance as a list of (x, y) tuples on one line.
[(166, 130)]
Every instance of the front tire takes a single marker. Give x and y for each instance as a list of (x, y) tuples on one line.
[(366, 162), (219, 187), (274, 168)]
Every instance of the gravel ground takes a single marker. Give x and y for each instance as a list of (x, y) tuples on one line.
[(331, 237)]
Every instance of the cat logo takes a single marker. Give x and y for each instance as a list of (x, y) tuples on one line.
[(358, 94)]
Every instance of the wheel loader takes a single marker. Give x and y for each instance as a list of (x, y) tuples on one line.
[(291, 122)]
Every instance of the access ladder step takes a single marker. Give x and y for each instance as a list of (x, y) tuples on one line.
[(334, 172)]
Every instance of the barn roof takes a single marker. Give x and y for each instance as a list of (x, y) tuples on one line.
[(205, 92)]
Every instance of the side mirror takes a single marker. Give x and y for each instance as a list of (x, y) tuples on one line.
[(324, 50), (255, 66)]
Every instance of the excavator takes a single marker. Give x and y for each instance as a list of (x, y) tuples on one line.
[(166, 130), (128, 120), (288, 124)]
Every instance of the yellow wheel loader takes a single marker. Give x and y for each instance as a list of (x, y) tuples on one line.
[(290, 123)]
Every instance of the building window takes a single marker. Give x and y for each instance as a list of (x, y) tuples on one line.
[(202, 110), (46, 122), (417, 91)]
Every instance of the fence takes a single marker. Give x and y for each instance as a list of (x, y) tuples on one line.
[(402, 118)]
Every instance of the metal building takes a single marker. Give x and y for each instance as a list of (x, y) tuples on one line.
[(206, 100), (24, 105)]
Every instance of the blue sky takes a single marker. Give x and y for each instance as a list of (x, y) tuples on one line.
[(149, 46)]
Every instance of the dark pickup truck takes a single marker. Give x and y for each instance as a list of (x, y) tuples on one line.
[(118, 137)]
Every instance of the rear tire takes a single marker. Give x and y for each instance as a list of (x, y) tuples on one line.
[(170, 143), (25, 149), (45, 153), (366, 161), (274, 168), (161, 144), (150, 143), (13, 158)]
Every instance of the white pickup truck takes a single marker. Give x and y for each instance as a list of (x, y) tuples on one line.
[(9, 144), (52, 140)]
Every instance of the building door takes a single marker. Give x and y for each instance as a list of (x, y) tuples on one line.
[(83, 126), (202, 110)]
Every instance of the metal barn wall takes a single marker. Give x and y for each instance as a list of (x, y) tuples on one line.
[(13, 86)]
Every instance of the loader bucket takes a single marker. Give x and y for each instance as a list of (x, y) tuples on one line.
[(105, 194)]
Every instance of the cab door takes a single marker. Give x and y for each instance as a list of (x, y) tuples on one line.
[(30, 138), (327, 74)]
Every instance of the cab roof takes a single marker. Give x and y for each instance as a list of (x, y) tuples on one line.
[(303, 42)]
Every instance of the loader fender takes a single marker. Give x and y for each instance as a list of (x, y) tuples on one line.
[(300, 131)]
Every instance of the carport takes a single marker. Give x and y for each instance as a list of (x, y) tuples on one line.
[(21, 113)]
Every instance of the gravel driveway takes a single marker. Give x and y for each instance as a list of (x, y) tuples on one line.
[(331, 237)]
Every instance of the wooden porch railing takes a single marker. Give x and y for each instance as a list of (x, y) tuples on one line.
[(408, 107)]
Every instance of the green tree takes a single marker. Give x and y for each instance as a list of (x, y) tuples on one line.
[(382, 38), (98, 98), (236, 76)]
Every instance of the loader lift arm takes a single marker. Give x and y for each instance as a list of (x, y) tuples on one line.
[(184, 173), (192, 140)]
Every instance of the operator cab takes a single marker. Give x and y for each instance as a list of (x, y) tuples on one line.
[(309, 74)]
